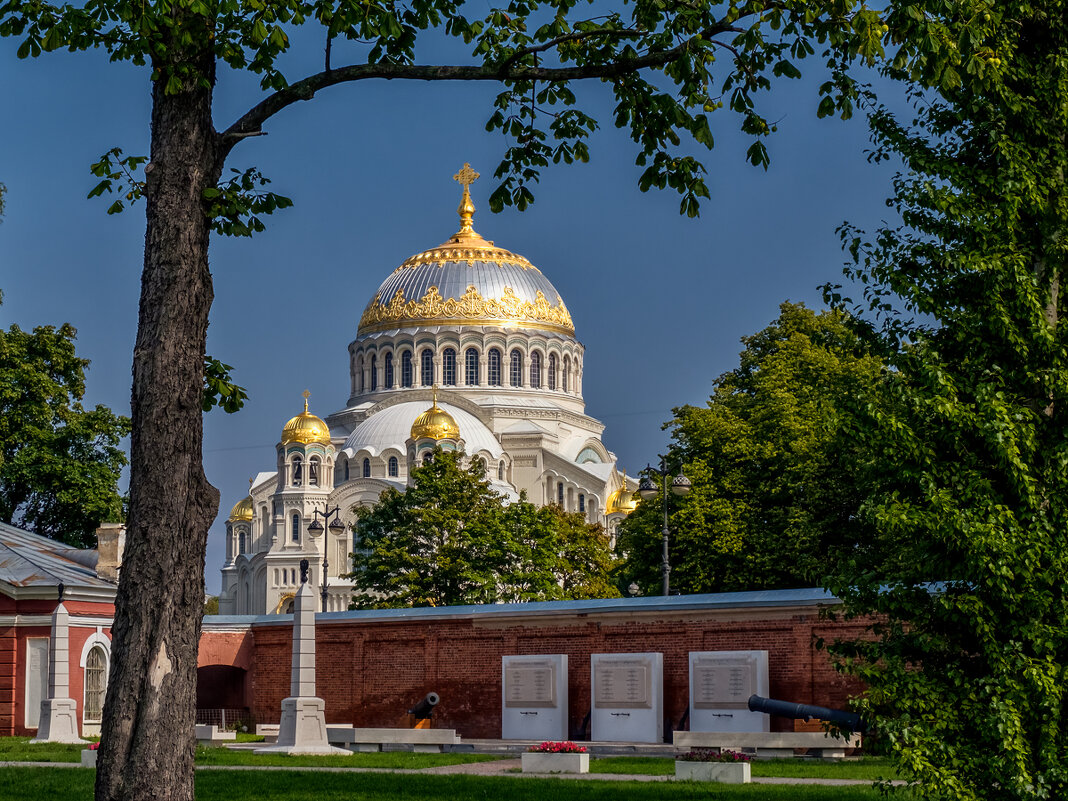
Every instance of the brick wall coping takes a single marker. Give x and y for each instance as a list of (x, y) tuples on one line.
[(724, 601)]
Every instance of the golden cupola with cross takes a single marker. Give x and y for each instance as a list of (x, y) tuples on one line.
[(306, 428)]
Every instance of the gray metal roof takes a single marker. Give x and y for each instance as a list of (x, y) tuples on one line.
[(675, 603), (29, 560)]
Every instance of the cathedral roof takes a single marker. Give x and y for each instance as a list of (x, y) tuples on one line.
[(306, 428), (467, 280), (390, 428), (242, 510)]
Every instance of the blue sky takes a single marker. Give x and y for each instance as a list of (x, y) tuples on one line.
[(660, 301)]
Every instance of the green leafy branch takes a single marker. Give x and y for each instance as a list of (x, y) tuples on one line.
[(233, 206), (220, 389), (119, 175)]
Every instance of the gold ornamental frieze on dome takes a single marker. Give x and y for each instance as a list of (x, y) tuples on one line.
[(469, 308), (455, 253)]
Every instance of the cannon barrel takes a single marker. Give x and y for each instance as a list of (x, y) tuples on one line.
[(425, 707), (789, 709)]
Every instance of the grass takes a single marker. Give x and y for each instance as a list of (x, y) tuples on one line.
[(388, 760), (867, 769), (19, 783), (19, 749)]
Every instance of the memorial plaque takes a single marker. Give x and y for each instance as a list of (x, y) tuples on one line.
[(530, 683), (623, 684), (724, 682)]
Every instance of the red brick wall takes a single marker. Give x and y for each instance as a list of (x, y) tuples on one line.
[(370, 672)]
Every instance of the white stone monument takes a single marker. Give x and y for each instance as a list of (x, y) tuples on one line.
[(720, 685), (59, 714), (534, 697), (627, 691), (303, 726)]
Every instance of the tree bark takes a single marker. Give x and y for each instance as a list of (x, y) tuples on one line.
[(147, 742)]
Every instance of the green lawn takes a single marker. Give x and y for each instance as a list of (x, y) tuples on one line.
[(390, 760), (20, 783), (18, 749), (868, 769)]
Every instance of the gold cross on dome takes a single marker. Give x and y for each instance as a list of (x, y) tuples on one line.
[(306, 396), (466, 176)]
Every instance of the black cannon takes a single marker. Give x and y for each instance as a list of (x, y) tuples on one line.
[(425, 708), (788, 709)]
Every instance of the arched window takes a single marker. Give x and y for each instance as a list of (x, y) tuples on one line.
[(582, 502), (535, 370), (500, 472), (428, 457), (471, 367), (346, 469), (95, 684), (567, 369), (298, 471), (241, 542), (366, 468), (406, 369), (374, 373), (389, 371), (426, 372), (560, 494), (295, 527), (313, 471), (494, 368), (448, 367), (394, 467), (552, 371), (359, 373), (515, 370)]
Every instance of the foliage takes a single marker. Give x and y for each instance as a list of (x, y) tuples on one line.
[(557, 747), (220, 389), (450, 539), (59, 463), (775, 480), (211, 605), (967, 668)]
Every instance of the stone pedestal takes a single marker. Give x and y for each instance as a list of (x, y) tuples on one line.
[(302, 729), (628, 697), (534, 697), (59, 722), (59, 714)]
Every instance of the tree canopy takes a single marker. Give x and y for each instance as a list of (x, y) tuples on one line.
[(776, 481), (968, 668), (450, 539), (59, 463)]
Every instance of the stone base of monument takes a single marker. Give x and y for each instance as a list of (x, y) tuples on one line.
[(59, 722), (539, 762), (89, 758), (302, 729), (724, 772)]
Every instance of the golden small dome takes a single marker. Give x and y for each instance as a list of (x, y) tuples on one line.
[(435, 423), (306, 428), (242, 510), (622, 500)]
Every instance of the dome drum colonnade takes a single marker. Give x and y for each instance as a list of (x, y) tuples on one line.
[(486, 327)]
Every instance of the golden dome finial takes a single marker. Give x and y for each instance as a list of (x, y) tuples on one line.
[(307, 395), (466, 209)]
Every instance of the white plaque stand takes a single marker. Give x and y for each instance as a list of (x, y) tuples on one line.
[(59, 714), (303, 726), (720, 685), (627, 694), (534, 697)]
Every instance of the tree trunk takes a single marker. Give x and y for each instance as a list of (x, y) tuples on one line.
[(147, 744)]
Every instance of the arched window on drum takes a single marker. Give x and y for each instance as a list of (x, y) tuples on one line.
[(552, 371), (535, 370), (494, 368), (471, 367), (515, 369), (448, 367)]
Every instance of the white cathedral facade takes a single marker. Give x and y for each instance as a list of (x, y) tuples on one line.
[(465, 345)]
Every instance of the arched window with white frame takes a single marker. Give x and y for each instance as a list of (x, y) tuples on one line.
[(406, 369), (294, 531), (515, 369), (426, 371), (313, 471), (394, 467), (471, 367), (448, 367), (535, 370), (374, 373), (493, 368), (389, 371), (552, 371), (298, 471), (366, 468)]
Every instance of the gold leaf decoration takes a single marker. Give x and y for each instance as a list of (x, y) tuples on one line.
[(470, 308)]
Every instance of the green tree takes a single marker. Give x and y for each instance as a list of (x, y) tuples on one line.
[(450, 539), (59, 463), (667, 65), (967, 670), (776, 482)]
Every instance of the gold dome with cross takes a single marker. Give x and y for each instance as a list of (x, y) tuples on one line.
[(467, 280), (306, 428), (435, 423)]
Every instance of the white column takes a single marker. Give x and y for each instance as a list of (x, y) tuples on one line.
[(59, 714)]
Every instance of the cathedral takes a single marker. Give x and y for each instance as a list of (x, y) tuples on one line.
[(464, 346)]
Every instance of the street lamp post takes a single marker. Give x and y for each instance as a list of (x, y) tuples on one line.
[(680, 485), (316, 528)]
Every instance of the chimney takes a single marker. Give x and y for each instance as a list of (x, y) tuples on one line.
[(110, 542)]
